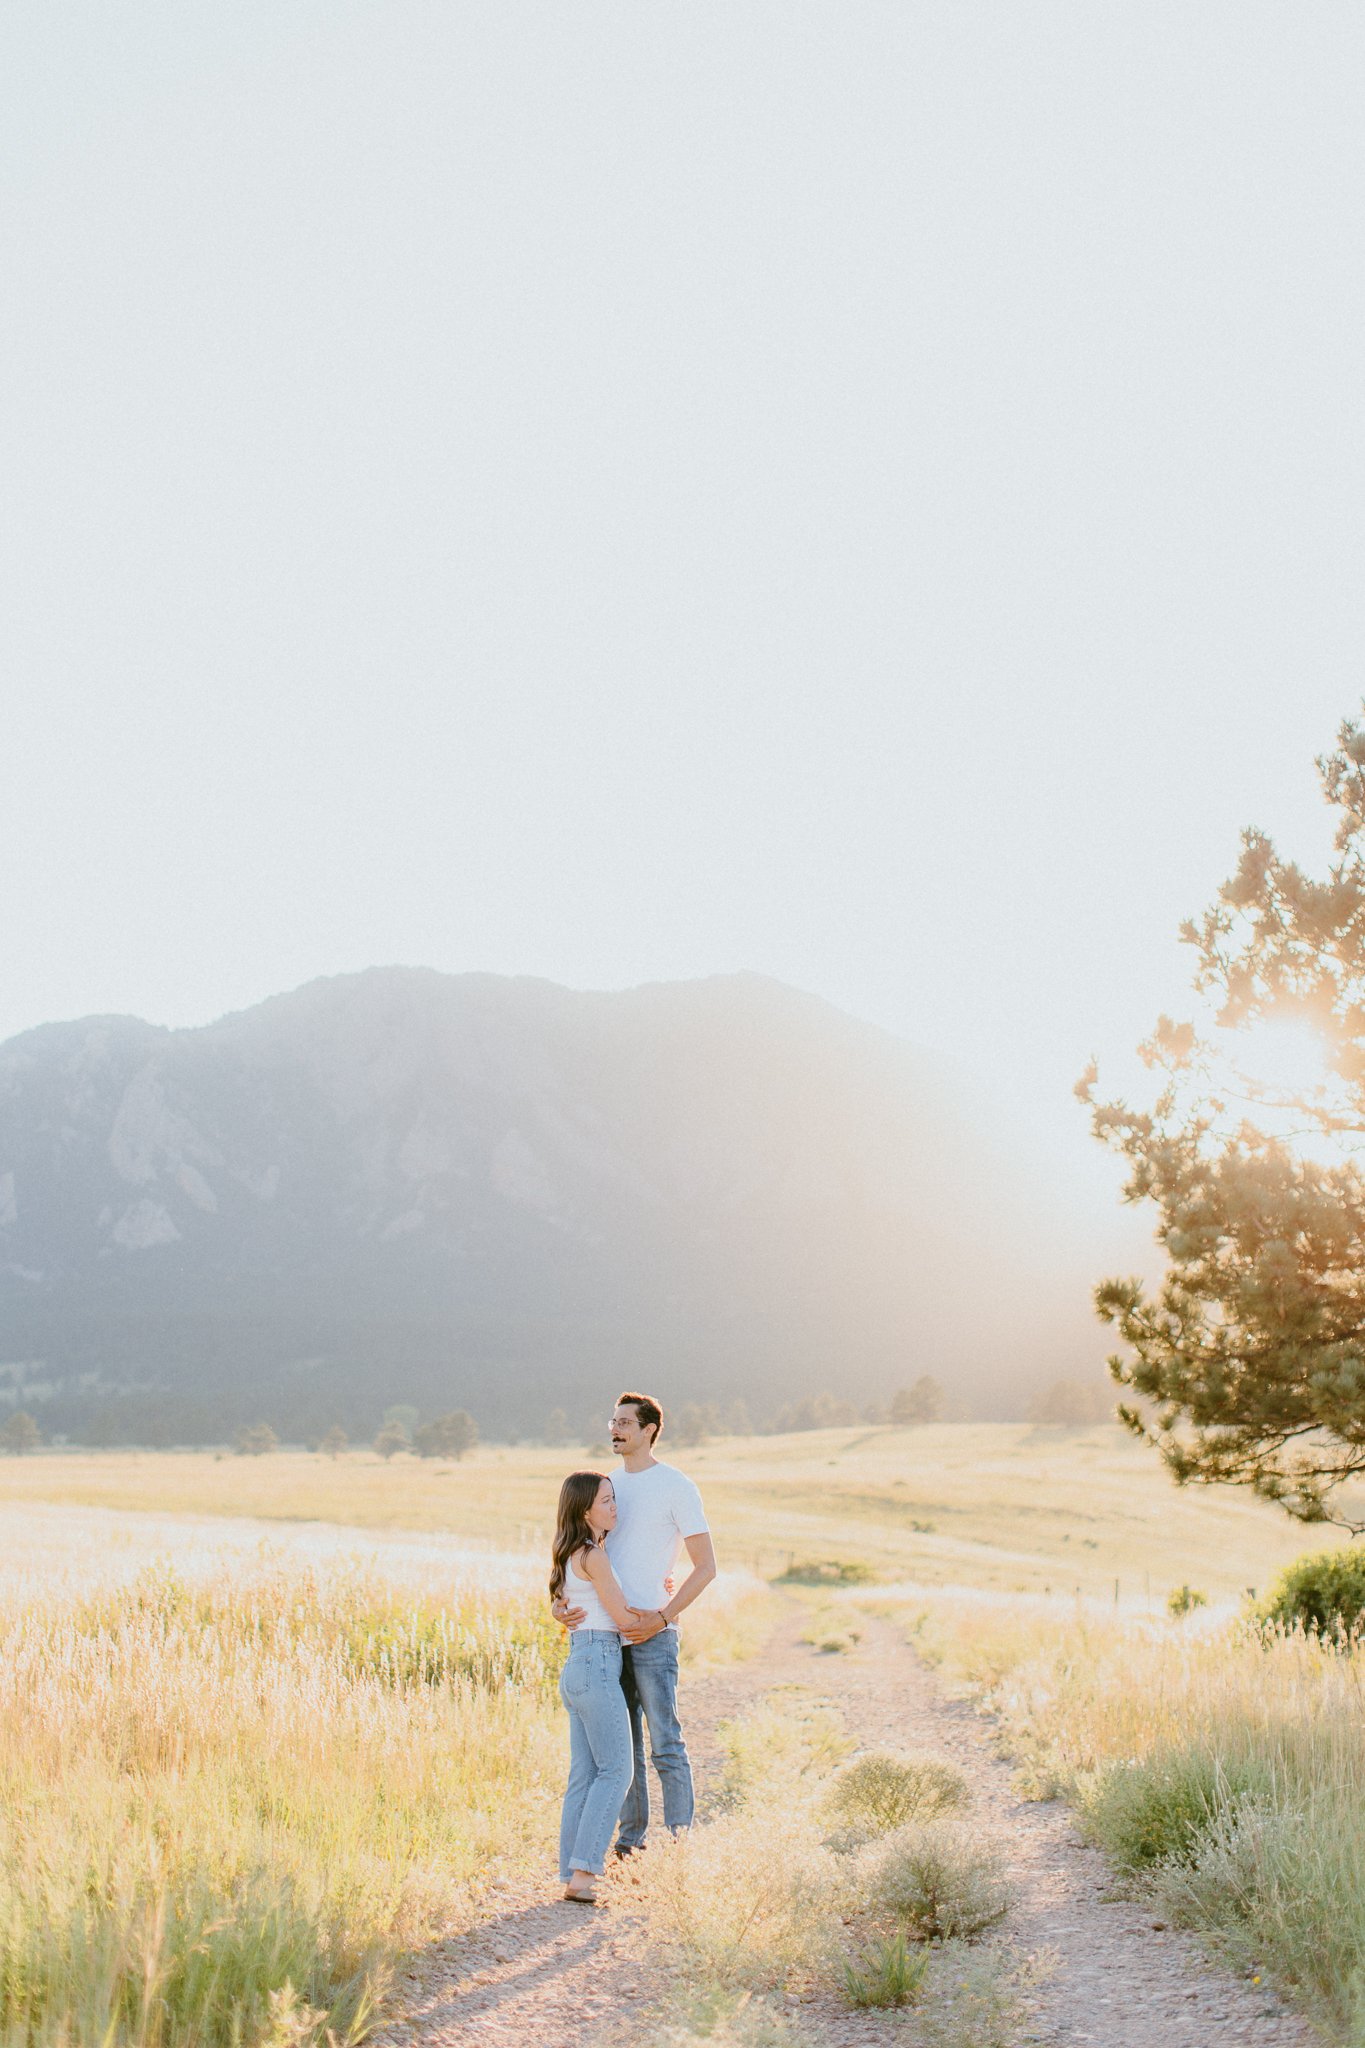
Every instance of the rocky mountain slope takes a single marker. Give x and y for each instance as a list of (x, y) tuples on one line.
[(406, 1186)]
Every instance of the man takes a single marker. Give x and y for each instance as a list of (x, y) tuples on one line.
[(658, 1513)]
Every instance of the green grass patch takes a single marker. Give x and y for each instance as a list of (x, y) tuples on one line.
[(828, 1571)]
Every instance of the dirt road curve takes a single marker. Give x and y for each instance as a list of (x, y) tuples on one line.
[(539, 1972)]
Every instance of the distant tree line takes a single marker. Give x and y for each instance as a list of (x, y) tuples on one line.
[(699, 1422), (445, 1436), (166, 1419), (162, 1420)]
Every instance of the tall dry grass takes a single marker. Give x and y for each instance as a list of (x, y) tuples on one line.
[(224, 1810), (1223, 1768)]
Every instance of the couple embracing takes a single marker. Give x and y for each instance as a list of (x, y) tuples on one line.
[(612, 1585)]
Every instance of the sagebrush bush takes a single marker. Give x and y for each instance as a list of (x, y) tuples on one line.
[(1323, 1594), (1236, 1865), (1158, 1808), (1284, 1884), (936, 1881), (882, 1791), (744, 1900)]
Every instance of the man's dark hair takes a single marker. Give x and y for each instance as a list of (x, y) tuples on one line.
[(651, 1415)]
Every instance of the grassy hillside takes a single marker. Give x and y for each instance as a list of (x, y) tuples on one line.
[(994, 1509)]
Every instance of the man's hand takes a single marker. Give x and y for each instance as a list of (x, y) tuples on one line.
[(569, 1617), (648, 1622)]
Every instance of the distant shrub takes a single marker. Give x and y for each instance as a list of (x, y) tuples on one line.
[(879, 1792), (1070, 1404), (1324, 1594), (821, 1411), (1185, 1599), (921, 1403), (939, 1883), (256, 1441), (1160, 1809), (449, 1436), (828, 1572), (20, 1434), (886, 1974)]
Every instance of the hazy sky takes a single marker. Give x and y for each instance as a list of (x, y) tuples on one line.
[(867, 493)]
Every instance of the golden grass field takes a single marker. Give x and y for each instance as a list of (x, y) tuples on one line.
[(1001, 1509), (265, 1722)]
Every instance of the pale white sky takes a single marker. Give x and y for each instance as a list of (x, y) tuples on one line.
[(870, 493)]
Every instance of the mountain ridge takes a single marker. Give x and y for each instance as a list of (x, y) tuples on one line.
[(501, 1193)]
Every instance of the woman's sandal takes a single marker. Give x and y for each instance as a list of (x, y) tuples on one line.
[(580, 1898)]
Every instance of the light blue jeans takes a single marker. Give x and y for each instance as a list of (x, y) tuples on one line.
[(650, 1679), (600, 1763)]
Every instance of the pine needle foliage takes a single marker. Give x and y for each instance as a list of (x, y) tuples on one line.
[(1248, 1363)]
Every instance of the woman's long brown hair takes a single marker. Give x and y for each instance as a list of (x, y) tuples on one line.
[(576, 1497)]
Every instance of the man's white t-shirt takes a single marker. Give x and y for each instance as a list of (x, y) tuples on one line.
[(655, 1510)]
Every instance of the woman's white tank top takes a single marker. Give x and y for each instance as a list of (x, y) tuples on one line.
[(582, 1593)]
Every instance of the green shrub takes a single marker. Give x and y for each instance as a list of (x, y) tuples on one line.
[(830, 1571), (938, 1882), (1324, 1594), (881, 1791), (1184, 1600), (885, 1974), (1159, 1810)]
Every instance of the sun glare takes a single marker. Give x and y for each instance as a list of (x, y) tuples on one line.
[(1288, 1057)]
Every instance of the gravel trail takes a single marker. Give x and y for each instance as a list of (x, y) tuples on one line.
[(538, 1971)]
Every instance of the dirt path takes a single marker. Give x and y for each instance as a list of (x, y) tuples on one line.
[(537, 1971)]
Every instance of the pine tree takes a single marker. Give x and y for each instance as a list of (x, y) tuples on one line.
[(449, 1436), (256, 1441), (20, 1434), (696, 1422), (921, 1403), (1248, 1363)]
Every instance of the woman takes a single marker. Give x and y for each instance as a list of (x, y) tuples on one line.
[(600, 1761)]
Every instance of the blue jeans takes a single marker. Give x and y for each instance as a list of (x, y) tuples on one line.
[(649, 1679), (599, 1749)]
